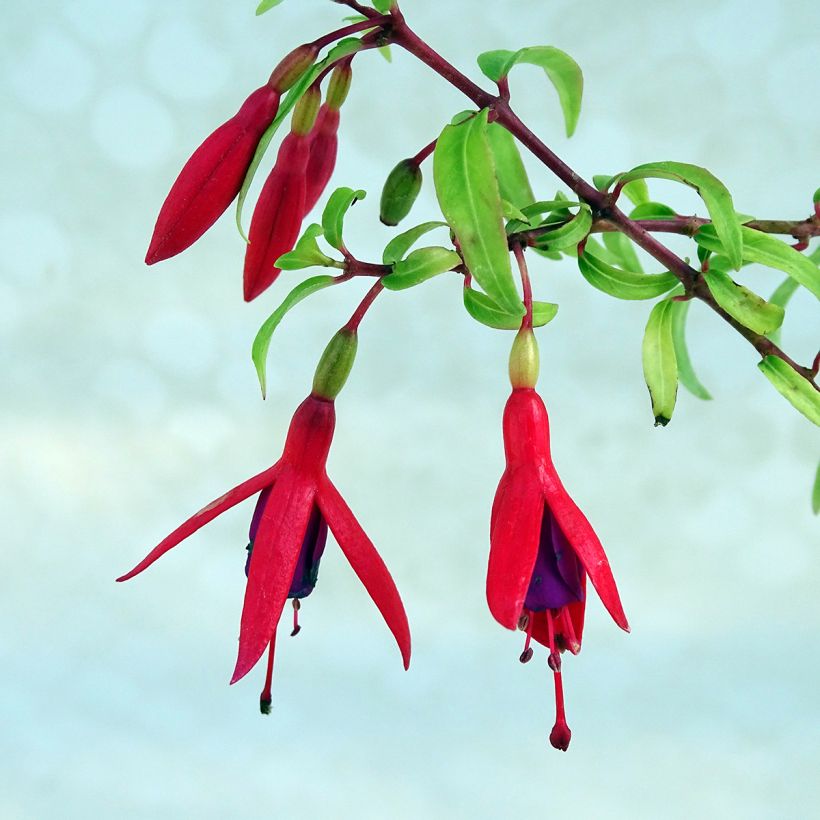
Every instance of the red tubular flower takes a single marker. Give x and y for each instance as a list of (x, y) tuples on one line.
[(297, 504), (212, 177), (322, 160), (542, 548)]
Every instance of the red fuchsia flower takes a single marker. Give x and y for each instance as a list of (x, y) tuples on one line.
[(297, 503), (542, 548), (277, 217), (212, 177)]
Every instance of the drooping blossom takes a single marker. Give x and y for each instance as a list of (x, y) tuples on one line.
[(542, 548), (210, 180), (297, 504)]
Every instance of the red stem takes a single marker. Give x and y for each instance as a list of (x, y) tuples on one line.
[(358, 314), (526, 285), (332, 36)]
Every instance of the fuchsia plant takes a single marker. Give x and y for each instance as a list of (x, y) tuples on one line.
[(542, 548)]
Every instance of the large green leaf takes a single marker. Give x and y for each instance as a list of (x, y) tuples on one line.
[(261, 343), (660, 366), (781, 296), (350, 45), (419, 266), (769, 251), (513, 183), (333, 216), (484, 310), (712, 191), (623, 284), (398, 246), (742, 304), (468, 195), (686, 373), (563, 72), (801, 393), (307, 253)]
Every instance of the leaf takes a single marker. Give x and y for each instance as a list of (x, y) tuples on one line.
[(765, 249), (623, 284), (306, 253), (266, 5), (563, 72), (333, 216), (569, 234), (781, 296), (349, 45), (621, 247), (513, 183), (815, 493), (712, 191), (800, 392), (511, 212), (637, 192), (386, 53), (419, 266), (686, 373), (468, 195), (259, 351), (557, 208), (398, 246), (660, 366), (742, 304), (382, 5), (484, 310), (652, 210)]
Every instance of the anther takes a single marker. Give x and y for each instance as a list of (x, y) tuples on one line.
[(296, 628), (554, 661), (526, 655), (524, 622)]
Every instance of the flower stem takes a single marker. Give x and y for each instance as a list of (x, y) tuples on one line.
[(526, 285), (353, 28), (358, 314)]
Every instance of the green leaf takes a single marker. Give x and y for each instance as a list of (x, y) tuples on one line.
[(569, 234), (382, 5), (652, 210), (660, 366), (513, 183), (349, 45), (765, 249), (623, 250), (637, 192), (386, 53), (712, 191), (398, 246), (801, 393), (512, 213), (815, 493), (468, 195), (261, 343), (333, 216), (484, 310), (686, 373), (781, 296), (419, 266), (742, 304), (623, 284), (306, 253), (266, 5), (563, 72)]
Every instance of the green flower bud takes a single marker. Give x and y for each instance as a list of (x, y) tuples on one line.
[(400, 191), (335, 365), (292, 67), (338, 86), (304, 114), (524, 359)]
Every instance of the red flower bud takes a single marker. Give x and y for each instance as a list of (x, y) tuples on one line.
[(277, 218), (212, 177), (323, 145)]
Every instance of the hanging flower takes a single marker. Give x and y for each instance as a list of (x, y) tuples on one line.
[(210, 180), (542, 548), (296, 506)]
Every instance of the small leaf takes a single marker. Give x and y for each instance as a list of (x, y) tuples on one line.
[(660, 366), (511, 212), (815, 493), (563, 72), (800, 392), (513, 183), (769, 251), (569, 234), (712, 191), (266, 5), (419, 266), (742, 304), (781, 296), (652, 210), (623, 284), (333, 216), (261, 343), (686, 373), (484, 310), (306, 253), (621, 247), (382, 5), (468, 195), (637, 192), (386, 53), (398, 246)]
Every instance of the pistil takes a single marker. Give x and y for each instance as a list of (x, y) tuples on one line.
[(560, 734)]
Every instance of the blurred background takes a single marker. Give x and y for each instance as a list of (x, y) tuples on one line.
[(129, 401)]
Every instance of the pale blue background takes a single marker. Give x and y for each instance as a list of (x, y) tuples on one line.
[(129, 401)]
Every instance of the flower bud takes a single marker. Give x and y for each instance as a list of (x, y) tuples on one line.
[(323, 146), (304, 114), (524, 359), (400, 191), (338, 86), (335, 365), (292, 67)]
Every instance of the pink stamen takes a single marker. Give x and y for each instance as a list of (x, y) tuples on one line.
[(265, 699), (560, 734), (296, 628), (573, 644)]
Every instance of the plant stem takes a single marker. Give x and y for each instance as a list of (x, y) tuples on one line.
[(526, 285), (355, 320), (362, 25)]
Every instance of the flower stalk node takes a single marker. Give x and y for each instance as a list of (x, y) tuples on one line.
[(524, 359)]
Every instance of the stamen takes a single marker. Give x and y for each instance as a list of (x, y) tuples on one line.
[(265, 699), (560, 734), (573, 644), (526, 622), (296, 628)]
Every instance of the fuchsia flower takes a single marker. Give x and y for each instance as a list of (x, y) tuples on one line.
[(542, 548), (296, 505), (212, 177), (322, 160)]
